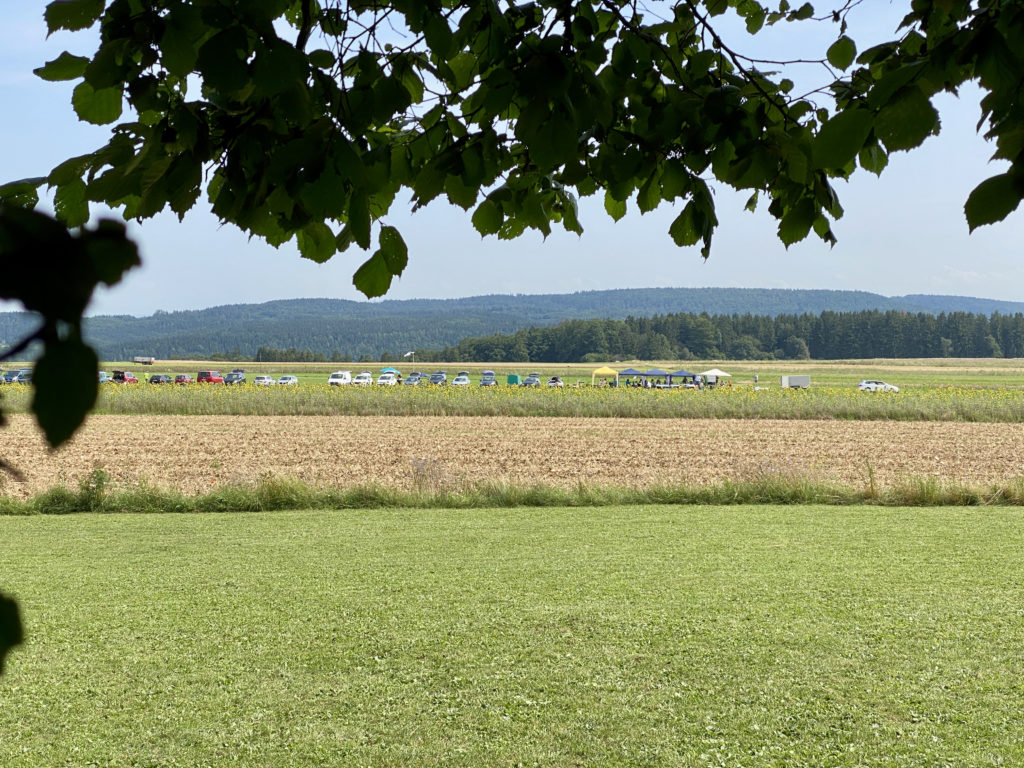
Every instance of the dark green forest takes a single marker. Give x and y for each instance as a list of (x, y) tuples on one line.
[(683, 336), (629, 323)]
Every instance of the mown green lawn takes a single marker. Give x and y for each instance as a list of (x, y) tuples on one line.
[(655, 636)]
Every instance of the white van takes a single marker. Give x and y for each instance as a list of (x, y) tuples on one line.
[(338, 378)]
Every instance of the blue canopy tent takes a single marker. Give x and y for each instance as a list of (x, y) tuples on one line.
[(653, 374), (680, 375), (631, 372), (389, 370)]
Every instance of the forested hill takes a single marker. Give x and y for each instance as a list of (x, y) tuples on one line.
[(354, 328)]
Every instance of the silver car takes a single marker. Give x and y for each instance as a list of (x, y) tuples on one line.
[(873, 385)]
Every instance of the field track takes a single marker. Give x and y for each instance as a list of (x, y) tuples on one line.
[(194, 454)]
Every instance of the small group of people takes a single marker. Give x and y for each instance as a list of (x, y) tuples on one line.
[(697, 382)]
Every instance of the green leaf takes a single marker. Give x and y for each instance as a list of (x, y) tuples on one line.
[(394, 250), (327, 196), (796, 223), (108, 68), (322, 59), (534, 213), (796, 166), (675, 181), (648, 197), (316, 242), (615, 208), (570, 212), (332, 22), (389, 98), (11, 633), (554, 143), (841, 138), (110, 252), (460, 194), (222, 60), (373, 278), (428, 184), (873, 158), (70, 203), (688, 227), (359, 218), (992, 200), (65, 387), (72, 14), (842, 53), (755, 20), (343, 240), (438, 35), (487, 218), (64, 67), (279, 67), (96, 107), (805, 11), (462, 67), (183, 33), (907, 121), (23, 193)]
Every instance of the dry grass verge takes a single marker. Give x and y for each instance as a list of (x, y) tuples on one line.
[(275, 494), (192, 455)]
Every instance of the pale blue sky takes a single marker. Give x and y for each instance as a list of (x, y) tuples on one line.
[(903, 233)]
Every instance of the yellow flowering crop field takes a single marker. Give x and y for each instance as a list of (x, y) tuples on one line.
[(939, 403)]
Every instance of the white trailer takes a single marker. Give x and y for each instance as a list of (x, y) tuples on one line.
[(140, 360), (795, 382)]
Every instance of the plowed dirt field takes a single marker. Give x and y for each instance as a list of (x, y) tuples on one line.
[(195, 453)]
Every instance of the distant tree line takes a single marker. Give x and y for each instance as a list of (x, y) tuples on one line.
[(829, 335)]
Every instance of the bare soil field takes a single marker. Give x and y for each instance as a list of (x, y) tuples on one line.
[(194, 454)]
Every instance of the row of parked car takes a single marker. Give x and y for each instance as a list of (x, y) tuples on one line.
[(390, 378), (236, 376), (338, 378)]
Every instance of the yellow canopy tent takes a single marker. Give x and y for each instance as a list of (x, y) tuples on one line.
[(606, 371)]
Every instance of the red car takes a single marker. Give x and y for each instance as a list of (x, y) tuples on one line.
[(124, 377), (182, 378), (209, 377)]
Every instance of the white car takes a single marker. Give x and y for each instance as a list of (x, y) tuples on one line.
[(387, 379), (462, 380), (338, 378), (363, 378), (873, 385), (264, 381), (286, 380), (555, 381)]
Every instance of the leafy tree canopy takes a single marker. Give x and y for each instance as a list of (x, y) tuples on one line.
[(303, 119)]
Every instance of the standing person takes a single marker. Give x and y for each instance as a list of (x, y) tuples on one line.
[(755, 378)]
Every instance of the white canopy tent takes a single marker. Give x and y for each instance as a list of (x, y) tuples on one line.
[(712, 376)]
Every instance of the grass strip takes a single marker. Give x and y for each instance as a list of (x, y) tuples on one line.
[(271, 493), (623, 636)]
